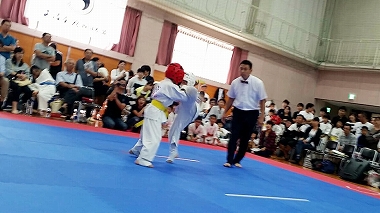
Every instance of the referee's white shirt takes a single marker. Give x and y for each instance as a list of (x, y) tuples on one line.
[(247, 95)]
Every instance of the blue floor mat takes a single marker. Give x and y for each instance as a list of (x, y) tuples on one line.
[(53, 169)]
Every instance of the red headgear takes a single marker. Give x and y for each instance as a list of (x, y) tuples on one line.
[(175, 73)]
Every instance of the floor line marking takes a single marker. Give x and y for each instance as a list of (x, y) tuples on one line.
[(184, 159), (268, 197), (363, 190)]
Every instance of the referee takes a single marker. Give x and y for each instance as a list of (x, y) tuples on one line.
[(247, 95)]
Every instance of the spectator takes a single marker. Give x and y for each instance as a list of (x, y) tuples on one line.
[(43, 88), (8, 42), (136, 82), (310, 140), (43, 53), (337, 131), (222, 134), (218, 111), (267, 143), (55, 66), (363, 121), (340, 117), (147, 70), (69, 85), (144, 90), (86, 68), (120, 72), (300, 107), (19, 72), (322, 112), (196, 131), (100, 82), (308, 112), (117, 101), (347, 138), (211, 129), (137, 114), (294, 133), (286, 114), (4, 83), (285, 103)]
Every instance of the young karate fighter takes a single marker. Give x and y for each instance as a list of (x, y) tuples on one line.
[(186, 112), (163, 95)]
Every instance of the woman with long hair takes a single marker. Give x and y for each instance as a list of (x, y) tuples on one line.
[(19, 74)]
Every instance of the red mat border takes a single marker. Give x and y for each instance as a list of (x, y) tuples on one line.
[(301, 171)]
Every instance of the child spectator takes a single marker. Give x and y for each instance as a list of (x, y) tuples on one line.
[(267, 144), (211, 129), (337, 131), (196, 131), (222, 134)]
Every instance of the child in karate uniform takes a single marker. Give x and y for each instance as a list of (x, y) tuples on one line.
[(164, 94), (211, 129), (186, 112)]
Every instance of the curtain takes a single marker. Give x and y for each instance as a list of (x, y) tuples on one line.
[(166, 46), (238, 55), (13, 10), (129, 32)]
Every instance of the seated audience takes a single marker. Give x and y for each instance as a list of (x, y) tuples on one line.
[(336, 131), (136, 82), (119, 73), (218, 110), (69, 85), (286, 114), (136, 117), (145, 90), (308, 112), (267, 143), (310, 140), (196, 131), (116, 102), (340, 117), (147, 70), (347, 138), (4, 83), (253, 141), (171, 116), (211, 129), (363, 121), (284, 104), (295, 132), (56, 65), (222, 135), (20, 76), (43, 88), (300, 107)]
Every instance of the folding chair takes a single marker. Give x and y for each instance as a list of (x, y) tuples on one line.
[(371, 156), (86, 102)]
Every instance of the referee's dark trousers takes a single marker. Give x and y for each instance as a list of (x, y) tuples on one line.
[(242, 126)]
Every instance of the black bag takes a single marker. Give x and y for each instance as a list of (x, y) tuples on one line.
[(328, 167), (354, 170)]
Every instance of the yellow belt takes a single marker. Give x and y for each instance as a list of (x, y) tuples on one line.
[(159, 106)]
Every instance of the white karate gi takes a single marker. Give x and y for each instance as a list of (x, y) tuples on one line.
[(45, 85), (187, 111), (146, 147)]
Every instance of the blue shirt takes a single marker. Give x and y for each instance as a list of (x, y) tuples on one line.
[(8, 40), (66, 77)]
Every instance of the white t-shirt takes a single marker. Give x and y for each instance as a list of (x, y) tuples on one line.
[(135, 82), (308, 115), (247, 95), (358, 127), (325, 127), (116, 73), (215, 110)]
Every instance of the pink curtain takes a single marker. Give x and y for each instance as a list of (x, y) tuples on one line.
[(13, 10), (129, 32), (238, 55), (166, 46)]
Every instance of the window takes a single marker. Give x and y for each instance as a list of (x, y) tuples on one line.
[(94, 22), (202, 55)]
